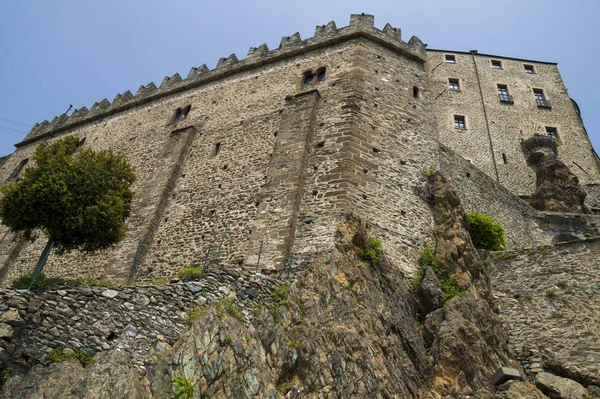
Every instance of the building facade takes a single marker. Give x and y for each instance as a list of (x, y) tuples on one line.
[(486, 105), (252, 163)]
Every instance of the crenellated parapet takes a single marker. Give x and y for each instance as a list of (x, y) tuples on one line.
[(361, 25)]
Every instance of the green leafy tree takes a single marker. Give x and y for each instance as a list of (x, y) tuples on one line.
[(78, 198)]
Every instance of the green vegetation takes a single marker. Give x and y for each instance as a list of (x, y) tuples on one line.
[(558, 316), (197, 313), (248, 338), (428, 171), (327, 261), (504, 255), (184, 388), (485, 232), (447, 284), (277, 297), (23, 282), (227, 340), (562, 284), (551, 294), (60, 354), (295, 344), (77, 197), (233, 311), (191, 271), (373, 253)]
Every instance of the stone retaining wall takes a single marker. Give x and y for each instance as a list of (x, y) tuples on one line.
[(130, 318), (549, 303)]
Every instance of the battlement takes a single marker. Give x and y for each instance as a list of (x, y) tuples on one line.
[(361, 25)]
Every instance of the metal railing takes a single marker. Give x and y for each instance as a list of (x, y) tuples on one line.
[(543, 103), (506, 98)]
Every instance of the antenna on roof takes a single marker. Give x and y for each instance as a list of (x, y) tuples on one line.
[(67, 111)]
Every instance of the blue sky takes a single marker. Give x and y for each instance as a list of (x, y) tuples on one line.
[(61, 52)]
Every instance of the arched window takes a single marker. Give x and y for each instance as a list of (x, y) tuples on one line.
[(177, 115), (81, 142), (415, 92), (308, 79), (14, 175), (321, 75), (186, 111)]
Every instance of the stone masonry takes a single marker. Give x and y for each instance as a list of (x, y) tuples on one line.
[(252, 163)]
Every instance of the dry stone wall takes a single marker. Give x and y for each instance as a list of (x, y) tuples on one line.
[(134, 319), (548, 300)]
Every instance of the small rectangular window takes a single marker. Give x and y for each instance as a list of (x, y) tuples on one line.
[(528, 68), (453, 84), (450, 59), (496, 64), (503, 94), (540, 99), (459, 122), (552, 132)]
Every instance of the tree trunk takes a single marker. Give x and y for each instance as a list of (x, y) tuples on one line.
[(41, 262)]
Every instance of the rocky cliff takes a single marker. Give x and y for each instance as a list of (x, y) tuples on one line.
[(349, 326)]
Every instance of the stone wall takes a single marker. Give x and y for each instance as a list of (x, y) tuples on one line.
[(130, 318), (508, 123), (548, 300), (251, 169), (480, 193)]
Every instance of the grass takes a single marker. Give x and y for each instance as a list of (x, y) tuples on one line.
[(558, 316), (58, 355), (233, 311), (197, 313), (562, 284), (191, 271), (22, 283), (277, 297), (551, 294), (295, 344), (428, 171)]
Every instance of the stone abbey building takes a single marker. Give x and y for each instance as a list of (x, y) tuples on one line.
[(253, 162)]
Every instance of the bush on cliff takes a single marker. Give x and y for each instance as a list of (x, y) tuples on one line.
[(485, 232)]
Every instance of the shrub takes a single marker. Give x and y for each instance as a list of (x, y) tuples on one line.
[(447, 284), (277, 297), (373, 253), (485, 232), (184, 388)]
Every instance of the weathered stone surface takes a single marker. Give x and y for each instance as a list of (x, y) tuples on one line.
[(12, 317), (110, 293), (560, 388), (504, 374), (548, 300), (557, 187), (518, 390), (108, 377), (430, 294), (6, 331)]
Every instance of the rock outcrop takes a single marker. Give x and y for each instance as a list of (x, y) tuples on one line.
[(557, 188), (349, 326)]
